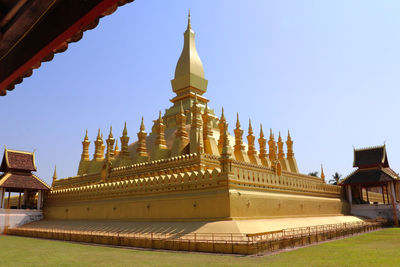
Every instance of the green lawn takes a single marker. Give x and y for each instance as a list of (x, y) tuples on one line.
[(381, 248)]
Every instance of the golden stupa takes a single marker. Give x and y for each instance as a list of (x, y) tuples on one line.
[(189, 169)]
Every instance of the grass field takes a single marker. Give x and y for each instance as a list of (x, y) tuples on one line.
[(380, 248)]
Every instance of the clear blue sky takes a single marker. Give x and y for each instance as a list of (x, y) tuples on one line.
[(326, 70)]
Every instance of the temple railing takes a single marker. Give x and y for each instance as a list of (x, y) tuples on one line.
[(244, 244), (255, 176)]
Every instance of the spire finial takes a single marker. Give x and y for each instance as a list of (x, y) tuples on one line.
[(250, 128), (237, 120), (189, 24), (206, 108), (125, 131), (280, 138), (322, 173), (159, 116), (98, 134), (86, 136), (261, 131), (142, 124), (110, 134), (55, 173)]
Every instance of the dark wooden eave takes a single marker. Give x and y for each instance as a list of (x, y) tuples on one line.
[(31, 32), (20, 181), (370, 177)]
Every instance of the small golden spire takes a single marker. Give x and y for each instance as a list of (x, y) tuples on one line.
[(55, 173), (238, 147), (125, 131), (85, 149), (142, 147), (272, 148), (110, 145), (99, 147), (222, 115), (289, 145), (86, 136), (124, 153), (160, 130), (251, 150), (110, 135), (116, 149), (281, 154), (262, 144), (261, 131), (250, 131), (98, 135), (322, 174), (237, 120), (142, 124)]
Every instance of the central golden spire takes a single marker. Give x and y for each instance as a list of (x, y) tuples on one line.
[(189, 72)]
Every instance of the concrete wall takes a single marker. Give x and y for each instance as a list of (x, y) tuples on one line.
[(374, 210), (12, 217)]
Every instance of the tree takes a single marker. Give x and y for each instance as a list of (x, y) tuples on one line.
[(336, 177), (313, 174)]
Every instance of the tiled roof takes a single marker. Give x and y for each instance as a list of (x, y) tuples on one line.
[(370, 157), (22, 181), (18, 160)]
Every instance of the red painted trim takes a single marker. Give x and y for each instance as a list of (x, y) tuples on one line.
[(78, 25)]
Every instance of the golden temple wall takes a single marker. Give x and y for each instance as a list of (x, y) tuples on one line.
[(200, 191), (185, 196)]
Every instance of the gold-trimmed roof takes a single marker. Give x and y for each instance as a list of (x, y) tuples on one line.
[(16, 159)]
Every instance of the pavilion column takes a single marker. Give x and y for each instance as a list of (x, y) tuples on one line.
[(383, 194), (396, 189), (349, 197), (2, 192), (39, 200), (392, 194), (25, 198)]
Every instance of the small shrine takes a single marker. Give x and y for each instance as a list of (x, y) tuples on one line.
[(17, 177), (373, 188)]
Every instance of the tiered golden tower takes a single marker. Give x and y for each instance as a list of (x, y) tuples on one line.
[(186, 168)]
